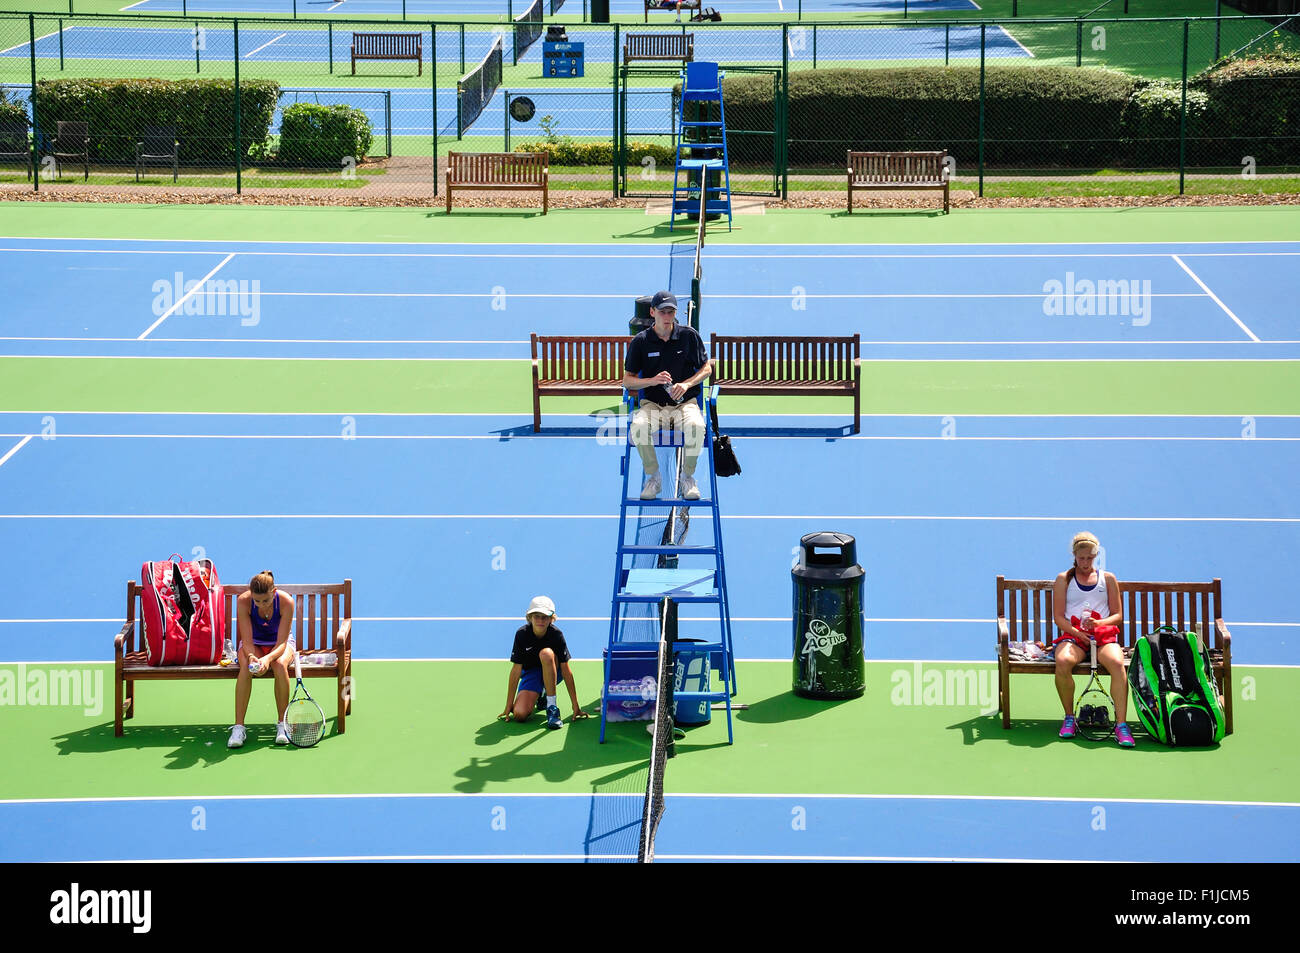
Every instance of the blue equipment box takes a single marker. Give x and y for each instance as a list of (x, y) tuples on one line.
[(562, 60)]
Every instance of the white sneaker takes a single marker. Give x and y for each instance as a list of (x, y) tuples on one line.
[(281, 733), (652, 486), (689, 490), (238, 735)]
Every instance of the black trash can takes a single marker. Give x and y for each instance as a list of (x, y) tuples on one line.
[(828, 622), (599, 11), (641, 317)]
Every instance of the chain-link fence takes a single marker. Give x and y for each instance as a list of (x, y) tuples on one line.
[(369, 108)]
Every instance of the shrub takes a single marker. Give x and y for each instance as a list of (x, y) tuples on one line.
[(569, 152), (323, 136), (1253, 109), (202, 110)]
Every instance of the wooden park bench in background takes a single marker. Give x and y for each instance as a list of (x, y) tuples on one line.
[(679, 47), (770, 364), (1025, 615), (322, 622), (898, 171), (583, 365), (497, 171), (387, 46)]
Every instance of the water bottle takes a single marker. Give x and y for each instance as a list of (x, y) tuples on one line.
[(228, 652)]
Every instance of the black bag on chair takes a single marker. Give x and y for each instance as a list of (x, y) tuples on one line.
[(725, 463)]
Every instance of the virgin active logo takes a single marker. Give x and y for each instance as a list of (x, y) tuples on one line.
[(820, 637)]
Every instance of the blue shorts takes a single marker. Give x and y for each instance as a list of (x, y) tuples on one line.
[(531, 681)]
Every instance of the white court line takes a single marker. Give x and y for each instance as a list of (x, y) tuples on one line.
[(1007, 34), (1205, 288), (265, 45), (436, 795), (28, 43), (185, 297), (883, 438), (138, 3), (21, 443), (613, 516)]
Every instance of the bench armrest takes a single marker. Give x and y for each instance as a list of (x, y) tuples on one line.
[(1004, 632), (1225, 637), (119, 640), (343, 639)]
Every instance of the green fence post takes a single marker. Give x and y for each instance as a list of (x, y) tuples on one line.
[(331, 42), (196, 46), (403, 9), (1182, 120), (239, 153), (514, 38), (388, 121), (185, 10), (1218, 28), (36, 125), (462, 49), (800, 16), (1015, 8), (615, 153), (60, 44), (783, 141), (947, 34), (1078, 43), (295, 9), (505, 136), (814, 44), (433, 79), (983, 34)]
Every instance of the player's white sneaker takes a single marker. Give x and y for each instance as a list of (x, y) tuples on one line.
[(238, 735), (281, 733), (652, 486), (690, 491)]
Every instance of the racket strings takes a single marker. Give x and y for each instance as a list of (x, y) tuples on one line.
[(305, 722)]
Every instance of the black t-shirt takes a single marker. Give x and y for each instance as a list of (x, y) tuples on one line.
[(682, 355), (528, 647)]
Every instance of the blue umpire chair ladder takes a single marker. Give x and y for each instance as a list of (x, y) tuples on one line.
[(705, 139), (693, 585)]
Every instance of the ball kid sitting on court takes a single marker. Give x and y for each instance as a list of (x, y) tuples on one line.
[(265, 615), (541, 658), (674, 361)]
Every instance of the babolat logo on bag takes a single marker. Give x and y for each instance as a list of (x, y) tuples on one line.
[(821, 638), (1174, 678)]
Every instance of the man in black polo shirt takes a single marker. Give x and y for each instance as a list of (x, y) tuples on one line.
[(668, 362)]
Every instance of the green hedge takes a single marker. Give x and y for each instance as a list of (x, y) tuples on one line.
[(569, 152), (323, 136), (11, 110), (202, 110), (1034, 117)]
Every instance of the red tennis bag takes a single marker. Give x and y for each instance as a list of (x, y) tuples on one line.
[(183, 606)]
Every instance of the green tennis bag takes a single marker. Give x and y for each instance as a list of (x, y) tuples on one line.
[(1174, 691)]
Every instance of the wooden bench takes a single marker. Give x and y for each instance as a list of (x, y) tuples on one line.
[(322, 620), (1025, 615), (387, 46), (659, 46), (498, 171), (579, 365), (656, 6), (769, 364), (898, 171)]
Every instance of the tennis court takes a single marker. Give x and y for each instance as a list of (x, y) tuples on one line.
[(568, 9), (364, 405)]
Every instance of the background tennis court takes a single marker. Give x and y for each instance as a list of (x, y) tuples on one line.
[(371, 419)]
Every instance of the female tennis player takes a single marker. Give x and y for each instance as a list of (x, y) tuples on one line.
[(1085, 599), (541, 658), (264, 615)]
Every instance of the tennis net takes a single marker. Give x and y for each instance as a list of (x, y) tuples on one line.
[(662, 746), (475, 89), (697, 277), (528, 27)]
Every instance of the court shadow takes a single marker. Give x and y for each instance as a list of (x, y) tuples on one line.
[(860, 212), (464, 211), (526, 430), (824, 433), (1042, 733), (787, 707), (190, 745)]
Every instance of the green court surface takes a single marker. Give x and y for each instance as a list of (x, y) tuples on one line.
[(430, 727)]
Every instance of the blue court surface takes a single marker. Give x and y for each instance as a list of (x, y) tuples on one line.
[(570, 9), (312, 45), (396, 500)]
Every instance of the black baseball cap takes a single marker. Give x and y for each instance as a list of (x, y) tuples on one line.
[(663, 299)]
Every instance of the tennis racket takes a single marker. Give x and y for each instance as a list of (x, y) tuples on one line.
[(1094, 712), (303, 717)]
